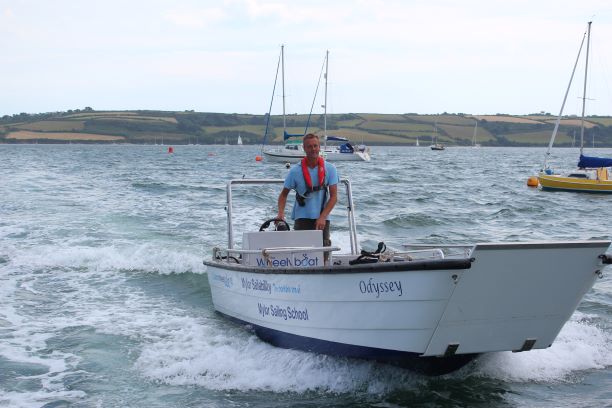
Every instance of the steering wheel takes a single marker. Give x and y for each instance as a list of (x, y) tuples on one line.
[(281, 225)]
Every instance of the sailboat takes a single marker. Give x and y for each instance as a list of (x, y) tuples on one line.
[(474, 144), (417, 142), (239, 142), (592, 173), (344, 151), (434, 140), (293, 152)]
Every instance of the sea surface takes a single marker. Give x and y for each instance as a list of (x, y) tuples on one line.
[(104, 300)]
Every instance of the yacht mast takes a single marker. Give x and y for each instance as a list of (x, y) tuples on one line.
[(325, 103), (283, 83), (586, 70)]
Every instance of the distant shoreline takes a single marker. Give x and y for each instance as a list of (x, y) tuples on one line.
[(205, 128)]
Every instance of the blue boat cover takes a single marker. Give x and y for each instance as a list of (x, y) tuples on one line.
[(337, 139), (593, 162), (346, 148)]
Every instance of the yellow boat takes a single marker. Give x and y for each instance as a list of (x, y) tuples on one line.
[(587, 180), (592, 173)]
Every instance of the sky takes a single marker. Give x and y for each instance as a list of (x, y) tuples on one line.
[(426, 57)]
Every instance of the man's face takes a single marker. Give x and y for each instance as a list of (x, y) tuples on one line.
[(312, 147)]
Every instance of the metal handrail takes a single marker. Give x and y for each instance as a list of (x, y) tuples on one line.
[(278, 250), (266, 252), (437, 245), (350, 209), (416, 251), (467, 248)]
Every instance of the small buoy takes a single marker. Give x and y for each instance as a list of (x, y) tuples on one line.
[(532, 181), (258, 158), (170, 149)]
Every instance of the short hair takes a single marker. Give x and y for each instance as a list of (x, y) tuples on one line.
[(310, 136)]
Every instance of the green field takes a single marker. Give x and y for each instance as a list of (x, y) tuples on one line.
[(370, 128), (53, 125)]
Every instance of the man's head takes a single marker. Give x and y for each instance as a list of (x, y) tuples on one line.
[(311, 145)]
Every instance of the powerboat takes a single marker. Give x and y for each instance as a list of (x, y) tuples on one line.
[(431, 309)]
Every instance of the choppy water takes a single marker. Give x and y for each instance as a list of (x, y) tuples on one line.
[(104, 299)]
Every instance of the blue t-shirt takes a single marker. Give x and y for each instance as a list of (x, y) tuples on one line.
[(314, 200)]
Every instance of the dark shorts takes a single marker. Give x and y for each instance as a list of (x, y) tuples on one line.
[(309, 224)]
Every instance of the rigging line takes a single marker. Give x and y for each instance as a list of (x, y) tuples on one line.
[(315, 95), (558, 121), (263, 143)]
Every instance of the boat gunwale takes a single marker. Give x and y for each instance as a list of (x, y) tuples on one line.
[(406, 266), (544, 244), (563, 183), (573, 180)]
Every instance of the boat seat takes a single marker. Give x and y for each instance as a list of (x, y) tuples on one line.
[(284, 239), (602, 174)]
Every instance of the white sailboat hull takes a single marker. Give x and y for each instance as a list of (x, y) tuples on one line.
[(294, 156), (293, 153)]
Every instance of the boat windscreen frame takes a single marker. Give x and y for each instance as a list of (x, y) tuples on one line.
[(350, 208)]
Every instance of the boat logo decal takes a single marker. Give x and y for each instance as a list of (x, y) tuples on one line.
[(297, 261), (256, 284), (226, 280), (371, 286), (285, 313), (286, 289)]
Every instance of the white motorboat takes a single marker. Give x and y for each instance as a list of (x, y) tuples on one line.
[(431, 309)]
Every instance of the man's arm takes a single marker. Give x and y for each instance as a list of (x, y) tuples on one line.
[(333, 198), (282, 202)]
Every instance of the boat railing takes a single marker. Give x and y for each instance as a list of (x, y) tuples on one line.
[(435, 253), (267, 252), (463, 250), (236, 255), (349, 207)]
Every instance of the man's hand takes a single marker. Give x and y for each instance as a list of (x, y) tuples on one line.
[(320, 223)]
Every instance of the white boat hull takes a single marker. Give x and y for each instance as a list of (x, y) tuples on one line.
[(511, 297), (295, 156)]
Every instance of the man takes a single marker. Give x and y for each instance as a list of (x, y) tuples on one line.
[(311, 179)]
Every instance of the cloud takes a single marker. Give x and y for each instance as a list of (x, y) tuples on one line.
[(196, 18), (387, 52)]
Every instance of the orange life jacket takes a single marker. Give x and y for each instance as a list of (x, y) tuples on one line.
[(321, 173)]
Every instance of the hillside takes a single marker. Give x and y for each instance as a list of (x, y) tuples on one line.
[(160, 127)]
